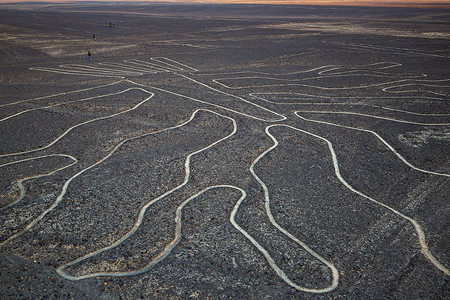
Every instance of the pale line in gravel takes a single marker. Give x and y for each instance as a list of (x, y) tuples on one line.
[(101, 70), (335, 272), (215, 105), (165, 65), (416, 225), (392, 49), (371, 116), (387, 89), (178, 234), (61, 94), (121, 70), (135, 66), (19, 182), (163, 254), (141, 215), (152, 65), (209, 87), (125, 67), (143, 64), (83, 72), (67, 102), (264, 73), (144, 208), (299, 84), (254, 95), (59, 71), (231, 95), (333, 67), (379, 138), (158, 59), (81, 124)]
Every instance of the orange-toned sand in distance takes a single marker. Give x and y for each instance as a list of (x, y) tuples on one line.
[(388, 3)]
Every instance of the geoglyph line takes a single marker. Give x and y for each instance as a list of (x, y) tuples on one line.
[(178, 234), (162, 64), (19, 182), (67, 102), (172, 63), (375, 117), (379, 138), (300, 95), (148, 204), (61, 94), (81, 124), (61, 71), (142, 212), (216, 105), (417, 227)]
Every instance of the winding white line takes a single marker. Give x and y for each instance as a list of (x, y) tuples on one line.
[(144, 208), (160, 60), (142, 212), (62, 71), (67, 102), (392, 49), (163, 254), (388, 89), (216, 105), (299, 84), (147, 67), (83, 123), (169, 247), (416, 225), (371, 116), (379, 138), (19, 182), (300, 95), (152, 65), (97, 70), (233, 96), (335, 272), (125, 67), (61, 94), (331, 67)]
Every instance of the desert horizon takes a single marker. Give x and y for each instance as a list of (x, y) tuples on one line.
[(368, 3)]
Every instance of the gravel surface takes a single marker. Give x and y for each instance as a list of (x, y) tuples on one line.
[(224, 152)]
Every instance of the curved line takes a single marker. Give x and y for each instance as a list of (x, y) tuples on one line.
[(81, 124), (231, 95), (335, 272), (19, 182), (212, 104), (59, 71), (169, 247), (163, 254), (371, 116), (416, 225), (255, 95), (381, 139), (144, 208), (61, 94), (141, 215), (307, 85), (67, 102), (158, 59)]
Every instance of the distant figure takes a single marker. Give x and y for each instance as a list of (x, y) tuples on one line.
[(110, 25), (113, 24), (93, 37), (89, 55)]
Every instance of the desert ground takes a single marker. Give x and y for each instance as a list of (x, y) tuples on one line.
[(224, 152)]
